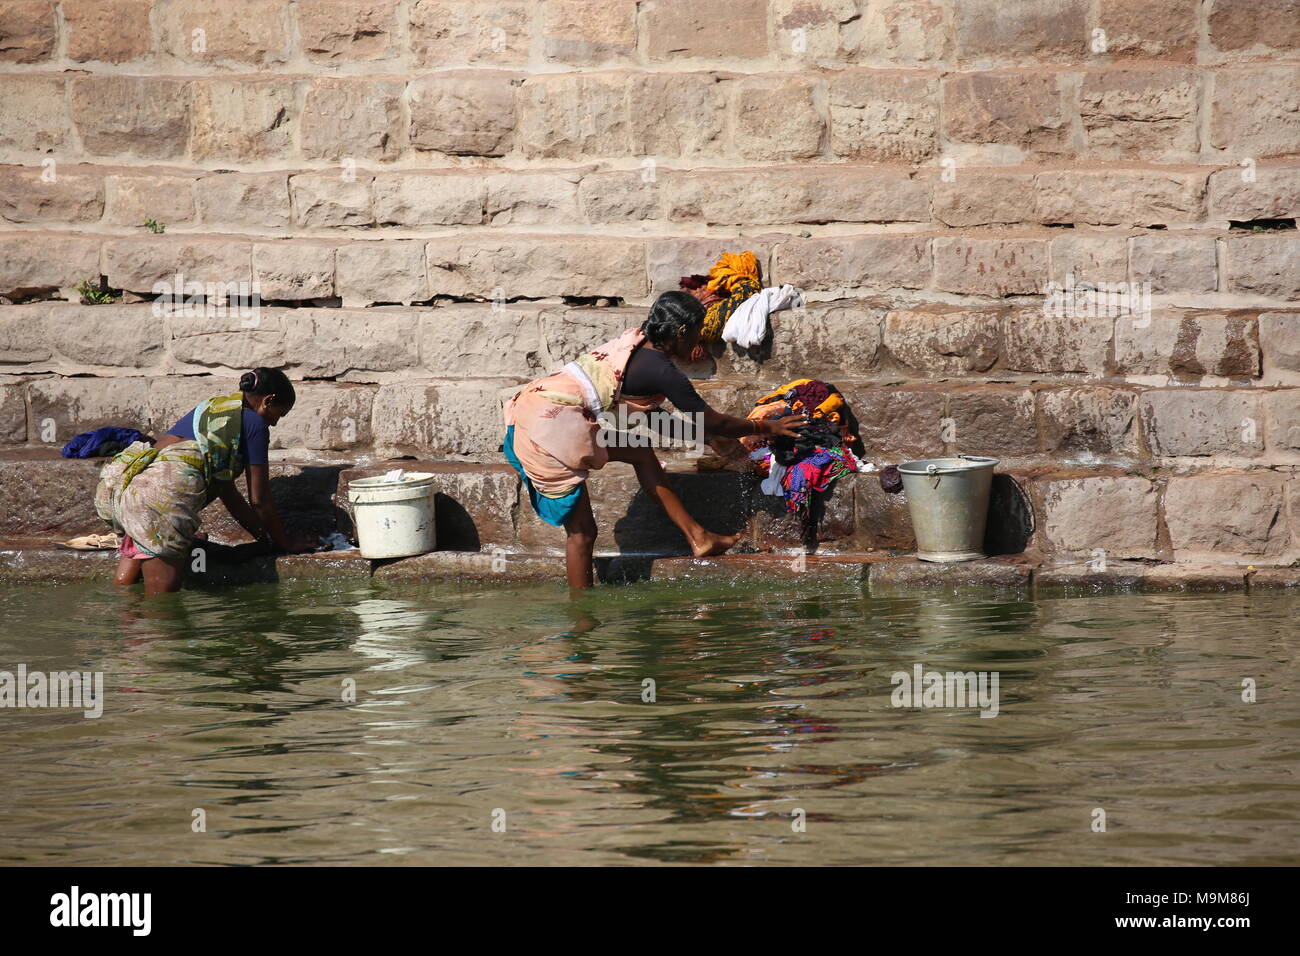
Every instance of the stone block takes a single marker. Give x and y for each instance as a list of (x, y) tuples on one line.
[(62, 408), (327, 417), (884, 118), (107, 31), (1279, 338), (381, 271), (443, 418), (1188, 344), (353, 118), (1175, 263), (1253, 112), (1144, 114), (348, 31), (574, 115), (677, 114), (35, 262), (490, 339), (684, 29), (1023, 111), (898, 424), (1200, 525), (990, 267), (228, 341), (34, 115), (140, 116), (464, 112), (827, 340), (844, 264), (245, 119), (28, 31), (1113, 514), (1266, 265), (125, 336), (49, 497), (354, 343), (75, 195), (1160, 29), (985, 197), (667, 260), (588, 32), (414, 200), (331, 201), (482, 32), (1105, 197), (997, 421), (134, 197), (775, 117), (251, 33), (1025, 31), (537, 266), (138, 265), (1200, 422), (236, 201), (941, 340), (1084, 422), (1270, 192), (294, 270)]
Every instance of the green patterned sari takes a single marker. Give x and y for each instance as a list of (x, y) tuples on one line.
[(155, 495)]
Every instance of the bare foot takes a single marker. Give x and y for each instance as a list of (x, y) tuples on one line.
[(713, 544)]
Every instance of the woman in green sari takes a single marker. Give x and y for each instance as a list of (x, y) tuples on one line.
[(153, 495)]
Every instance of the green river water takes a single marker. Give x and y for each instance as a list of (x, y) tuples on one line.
[(772, 737)]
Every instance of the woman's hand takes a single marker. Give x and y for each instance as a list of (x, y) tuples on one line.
[(787, 426)]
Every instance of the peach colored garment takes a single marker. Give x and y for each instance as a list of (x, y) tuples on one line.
[(555, 417)]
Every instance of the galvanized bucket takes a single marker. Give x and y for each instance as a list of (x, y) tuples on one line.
[(949, 502)]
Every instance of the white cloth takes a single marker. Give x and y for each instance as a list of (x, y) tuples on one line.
[(772, 483), (748, 324)]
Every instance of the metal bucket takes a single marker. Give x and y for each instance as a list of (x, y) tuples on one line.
[(949, 502)]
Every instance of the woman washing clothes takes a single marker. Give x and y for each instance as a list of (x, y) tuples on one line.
[(552, 428), (153, 495)]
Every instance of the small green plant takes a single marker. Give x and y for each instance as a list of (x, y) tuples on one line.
[(93, 294), (154, 226)]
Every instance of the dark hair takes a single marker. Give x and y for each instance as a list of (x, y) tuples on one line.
[(672, 314), (268, 381)]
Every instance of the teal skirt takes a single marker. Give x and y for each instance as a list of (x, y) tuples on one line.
[(554, 511)]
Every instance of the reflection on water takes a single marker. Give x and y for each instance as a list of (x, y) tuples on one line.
[(334, 722)]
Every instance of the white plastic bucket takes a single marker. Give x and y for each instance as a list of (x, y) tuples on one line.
[(394, 519), (949, 502)]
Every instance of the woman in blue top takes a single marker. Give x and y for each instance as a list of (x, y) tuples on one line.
[(153, 495)]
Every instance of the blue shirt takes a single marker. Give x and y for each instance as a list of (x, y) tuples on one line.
[(254, 440)]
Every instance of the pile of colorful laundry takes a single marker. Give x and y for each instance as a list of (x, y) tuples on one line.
[(796, 467), (737, 306)]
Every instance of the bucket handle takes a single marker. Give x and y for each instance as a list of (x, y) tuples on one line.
[(931, 471)]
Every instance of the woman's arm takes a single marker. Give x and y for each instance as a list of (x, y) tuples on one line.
[(729, 426), (257, 515)]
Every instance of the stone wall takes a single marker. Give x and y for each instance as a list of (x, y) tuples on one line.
[(440, 199)]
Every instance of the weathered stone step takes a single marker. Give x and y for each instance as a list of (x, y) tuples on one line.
[(1082, 511), (32, 561)]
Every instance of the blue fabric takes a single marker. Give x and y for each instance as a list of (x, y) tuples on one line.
[(255, 437), (551, 510), (102, 441)]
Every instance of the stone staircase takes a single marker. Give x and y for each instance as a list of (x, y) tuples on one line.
[(1115, 437)]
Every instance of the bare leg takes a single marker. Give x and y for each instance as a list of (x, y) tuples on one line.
[(654, 480), (581, 543), (162, 575), (128, 571)]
